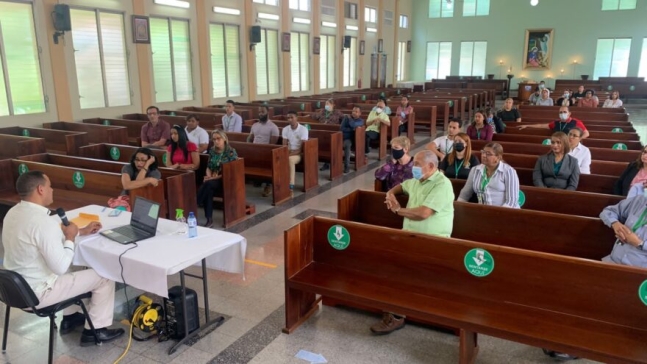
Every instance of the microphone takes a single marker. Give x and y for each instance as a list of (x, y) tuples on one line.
[(61, 214)]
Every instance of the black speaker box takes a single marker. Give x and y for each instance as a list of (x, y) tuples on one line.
[(347, 41), (255, 34), (174, 313), (61, 16)]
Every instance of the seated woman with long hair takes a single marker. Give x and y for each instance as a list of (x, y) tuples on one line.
[(459, 162), (557, 169), (142, 171), (220, 154), (181, 153)]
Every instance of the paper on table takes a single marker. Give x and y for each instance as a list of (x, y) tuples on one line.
[(84, 219)]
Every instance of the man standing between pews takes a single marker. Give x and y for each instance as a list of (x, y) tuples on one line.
[(348, 126), (564, 124), (430, 210), (443, 145), (156, 132), (264, 131), (231, 121), (41, 250), (293, 136), (196, 134)]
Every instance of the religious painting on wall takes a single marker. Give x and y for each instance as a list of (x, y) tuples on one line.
[(538, 48)]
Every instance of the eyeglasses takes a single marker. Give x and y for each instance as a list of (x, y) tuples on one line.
[(487, 154)]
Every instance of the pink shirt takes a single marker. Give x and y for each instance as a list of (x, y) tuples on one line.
[(178, 156), (641, 177)]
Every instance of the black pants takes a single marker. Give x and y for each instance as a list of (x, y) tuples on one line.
[(402, 129), (348, 144), (371, 135), (206, 193)]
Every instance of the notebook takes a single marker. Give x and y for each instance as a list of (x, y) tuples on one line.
[(143, 223)]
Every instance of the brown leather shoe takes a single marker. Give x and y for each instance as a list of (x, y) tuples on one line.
[(388, 324)]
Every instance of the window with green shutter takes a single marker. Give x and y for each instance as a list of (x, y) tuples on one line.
[(350, 63), (267, 63), (225, 60), (172, 69), (21, 86), (299, 61), (327, 62)]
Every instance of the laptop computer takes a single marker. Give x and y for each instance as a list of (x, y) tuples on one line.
[(143, 223)]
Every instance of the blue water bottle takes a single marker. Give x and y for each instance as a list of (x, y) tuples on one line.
[(193, 225)]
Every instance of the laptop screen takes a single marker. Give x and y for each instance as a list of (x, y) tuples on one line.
[(145, 214)]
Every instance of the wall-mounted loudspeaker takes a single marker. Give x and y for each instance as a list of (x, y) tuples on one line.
[(255, 34), (347, 41), (61, 17)]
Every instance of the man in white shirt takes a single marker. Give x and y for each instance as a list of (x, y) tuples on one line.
[(579, 151), (231, 122), (293, 137), (443, 145), (41, 250), (196, 134)]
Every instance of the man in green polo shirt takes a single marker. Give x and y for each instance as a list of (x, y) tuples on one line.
[(430, 210)]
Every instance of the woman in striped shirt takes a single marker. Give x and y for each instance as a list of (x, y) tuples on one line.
[(494, 182)]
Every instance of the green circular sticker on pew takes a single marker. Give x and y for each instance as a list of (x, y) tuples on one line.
[(363, 97), (451, 103), (546, 141), (307, 126), (609, 87), (382, 94), (642, 292), (397, 91), (164, 158), (616, 130), (338, 237), (25, 132), (22, 168), (115, 153), (106, 122), (78, 179), (172, 113), (632, 88), (620, 146), (302, 106), (318, 104), (522, 198), (479, 262)]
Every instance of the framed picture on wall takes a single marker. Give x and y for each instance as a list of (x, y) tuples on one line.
[(380, 45), (408, 46), (316, 45), (538, 48), (141, 29), (362, 47), (285, 42)]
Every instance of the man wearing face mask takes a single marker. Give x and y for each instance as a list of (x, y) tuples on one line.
[(264, 131), (535, 97), (564, 124), (430, 210), (375, 119)]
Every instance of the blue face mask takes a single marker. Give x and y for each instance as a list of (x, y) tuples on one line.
[(489, 120), (327, 107), (417, 172)]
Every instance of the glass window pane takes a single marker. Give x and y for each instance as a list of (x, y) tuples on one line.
[(273, 60), (610, 4), (182, 60), (627, 4), (305, 61), (87, 58), (234, 73), (295, 70), (469, 8), (465, 62), (603, 55), (620, 62), (445, 60), (114, 59), (478, 59), (482, 7), (162, 70), (434, 8), (261, 65), (323, 62), (23, 64), (218, 70), (431, 69), (642, 70)]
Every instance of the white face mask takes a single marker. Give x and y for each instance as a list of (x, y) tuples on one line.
[(379, 110), (566, 95), (564, 117)]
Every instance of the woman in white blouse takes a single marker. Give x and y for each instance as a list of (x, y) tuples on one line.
[(614, 101), (495, 182)]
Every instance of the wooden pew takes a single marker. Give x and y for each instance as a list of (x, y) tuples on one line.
[(580, 113), (268, 162), (588, 182), (156, 194), (98, 186), (528, 161), (208, 121), (608, 135), (531, 108), (56, 141), (133, 127), (388, 270), (427, 115), (600, 154), (95, 133), (171, 120), (245, 114), (12, 146), (309, 159), (590, 142), (180, 185), (590, 126)]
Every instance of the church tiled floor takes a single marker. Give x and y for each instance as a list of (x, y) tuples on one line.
[(254, 307)]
